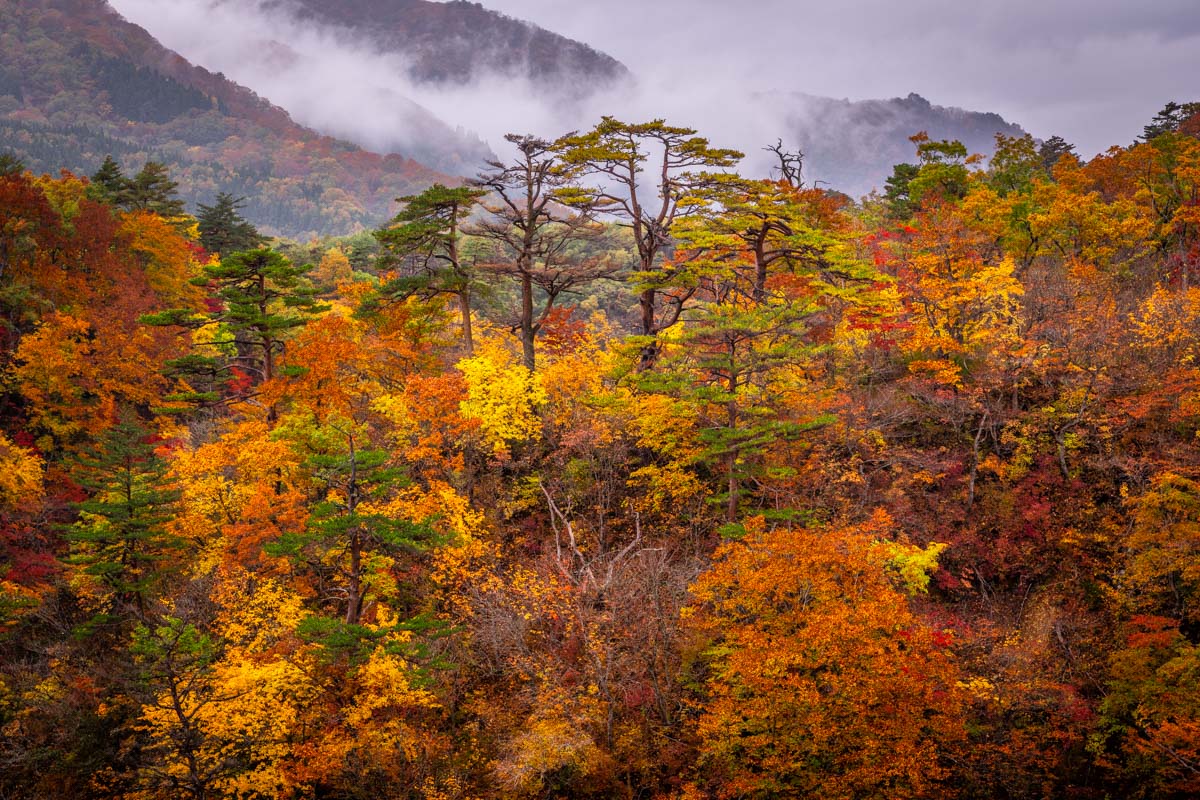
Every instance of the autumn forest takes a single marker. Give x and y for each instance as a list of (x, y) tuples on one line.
[(610, 473)]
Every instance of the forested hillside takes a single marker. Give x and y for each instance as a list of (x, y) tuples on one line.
[(78, 83), (461, 42), (851, 145), (612, 474)]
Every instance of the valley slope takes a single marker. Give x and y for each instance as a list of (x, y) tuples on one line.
[(78, 82)]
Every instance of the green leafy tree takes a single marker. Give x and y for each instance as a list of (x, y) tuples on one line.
[(620, 157), (10, 165), (175, 660), (1015, 165), (262, 297), (121, 540), (223, 230), (423, 244), (944, 170)]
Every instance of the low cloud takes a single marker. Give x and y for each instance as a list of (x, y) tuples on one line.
[(1091, 70)]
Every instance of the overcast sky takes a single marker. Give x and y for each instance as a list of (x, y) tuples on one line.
[(1093, 71)]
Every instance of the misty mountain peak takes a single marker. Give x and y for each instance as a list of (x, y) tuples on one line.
[(461, 42)]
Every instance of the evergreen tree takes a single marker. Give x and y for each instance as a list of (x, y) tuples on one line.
[(896, 191), (1053, 149), (263, 297), (423, 241), (121, 539), (535, 239), (153, 190), (10, 165), (684, 167), (342, 534), (109, 184), (1169, 119), (223, 230)]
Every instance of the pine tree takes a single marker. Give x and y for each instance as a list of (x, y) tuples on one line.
[(1169, 119), (153, 190), (223, 230), (109, 184), (263, 297), (1053, 149), (423, 241), (121, 540), (343, 534), (684, 167), (535, 239), (10, 165)]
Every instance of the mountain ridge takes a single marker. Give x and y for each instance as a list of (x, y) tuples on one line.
[(852, 145), (225, 137), (457, 41)]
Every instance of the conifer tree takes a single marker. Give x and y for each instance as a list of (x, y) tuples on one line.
[(121, 540), (423, 243), (10, 165), (536, 240), (109, 184), (346, 528), (618, 154), (223, 230), (153, 190), (262, 297)]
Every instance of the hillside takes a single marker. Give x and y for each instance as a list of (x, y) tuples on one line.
[(852, 145), (78, 82), (460, 42)]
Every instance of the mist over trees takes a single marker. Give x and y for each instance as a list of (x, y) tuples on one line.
[(614, 473)]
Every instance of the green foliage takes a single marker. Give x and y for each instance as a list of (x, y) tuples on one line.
[(897, 191), (1169, 119), (263, 297), (422, 244), (1015, 165), (121, 541), (152, 190), (1053, 149), (423, 240), (222, 228)]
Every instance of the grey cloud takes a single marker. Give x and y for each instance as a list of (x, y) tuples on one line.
[(1093, 71)]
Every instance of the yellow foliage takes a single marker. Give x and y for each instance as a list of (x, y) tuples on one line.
[(666, 488), (543, 747), (503, 395), (255, 612), (165, 256), (333, 270), (219, 479), (909, 565), (20, 474)]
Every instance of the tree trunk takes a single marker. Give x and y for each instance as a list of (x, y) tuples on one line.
[(527, 332), (650, 349), (464, 306), (354, 592)]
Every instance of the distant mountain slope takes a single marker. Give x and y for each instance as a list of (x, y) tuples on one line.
[(78, 82), (853, 145), (459, 42)]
